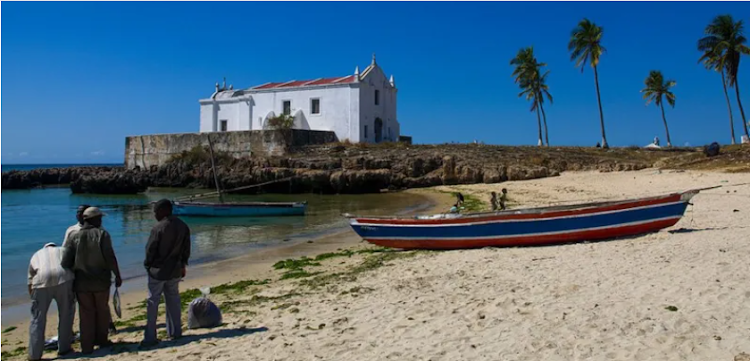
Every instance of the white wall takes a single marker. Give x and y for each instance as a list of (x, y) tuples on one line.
[(385, 110), (344, 109), (249, 112), (207, 118)]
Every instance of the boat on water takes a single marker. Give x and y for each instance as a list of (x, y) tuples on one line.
[(189, 206), (526, 227), (238, 209)]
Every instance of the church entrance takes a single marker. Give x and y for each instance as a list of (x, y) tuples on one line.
[(378, 130)]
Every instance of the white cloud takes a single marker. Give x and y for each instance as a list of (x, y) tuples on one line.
[(23, 154), (687, 144), (98, 153)]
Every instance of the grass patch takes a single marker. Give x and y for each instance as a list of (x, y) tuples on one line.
[(292, 264), (237, 286), (9, 329), (297, 273), (671, 308), (377, 258), (17, 352)]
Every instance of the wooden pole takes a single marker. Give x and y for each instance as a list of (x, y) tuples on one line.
[(213, 168)]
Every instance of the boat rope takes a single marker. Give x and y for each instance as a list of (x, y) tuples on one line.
[(202, 195)]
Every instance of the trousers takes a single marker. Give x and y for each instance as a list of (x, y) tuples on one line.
[(41, 299), (171, 291), (94, 319)]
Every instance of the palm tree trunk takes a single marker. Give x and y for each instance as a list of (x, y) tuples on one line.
[(664, 118), (539, 124), (729, 105), (601, 112), (544, 117), (742, 111)]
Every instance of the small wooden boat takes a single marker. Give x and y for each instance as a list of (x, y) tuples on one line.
[(526, 227), (188, 206), (248, 209)]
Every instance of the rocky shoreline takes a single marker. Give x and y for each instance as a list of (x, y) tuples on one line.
[(355, 169)]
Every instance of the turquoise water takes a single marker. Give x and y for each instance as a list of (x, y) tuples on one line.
[(31, 218)]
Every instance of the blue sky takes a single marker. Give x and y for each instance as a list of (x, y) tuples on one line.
[(79, 77)]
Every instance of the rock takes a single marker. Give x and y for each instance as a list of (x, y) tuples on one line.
[(742, 357), (449, 170), (711, 150)]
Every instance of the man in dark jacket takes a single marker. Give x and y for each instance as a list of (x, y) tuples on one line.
[(167, 254)]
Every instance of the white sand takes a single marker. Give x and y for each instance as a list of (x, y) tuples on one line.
[(598, 301)]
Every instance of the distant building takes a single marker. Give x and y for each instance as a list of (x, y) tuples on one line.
[(360, 107)]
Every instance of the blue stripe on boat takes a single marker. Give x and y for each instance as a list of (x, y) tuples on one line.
[(588, 221)]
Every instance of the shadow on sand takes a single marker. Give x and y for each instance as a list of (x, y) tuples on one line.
[(127, 347)]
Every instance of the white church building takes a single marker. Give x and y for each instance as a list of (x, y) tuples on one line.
[(359, 107)]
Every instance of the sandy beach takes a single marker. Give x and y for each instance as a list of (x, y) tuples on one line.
[(678, 294)]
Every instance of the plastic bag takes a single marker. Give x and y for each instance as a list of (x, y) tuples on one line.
[(116, 303), (202, 312)]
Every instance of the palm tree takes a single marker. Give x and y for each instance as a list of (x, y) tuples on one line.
[(655, 91), (526, 73), (725, 38), (542, 91), (713, 61), (585, 47)]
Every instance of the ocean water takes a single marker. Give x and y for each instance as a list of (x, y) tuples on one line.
[(31, 218), (10, 167)]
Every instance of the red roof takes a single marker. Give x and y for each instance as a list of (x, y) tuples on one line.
[(301, 83)]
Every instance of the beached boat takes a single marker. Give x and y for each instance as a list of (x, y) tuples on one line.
[(526, 227), (249, 209)]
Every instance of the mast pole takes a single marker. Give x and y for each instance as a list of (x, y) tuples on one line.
[(213, 168)]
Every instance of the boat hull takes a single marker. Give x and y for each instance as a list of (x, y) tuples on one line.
[(239, 209), (533, 227)]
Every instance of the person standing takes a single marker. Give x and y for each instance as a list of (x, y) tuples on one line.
[(167, 254), (89, 253), (75, 228), (48, 281), (503, 198), (493, 201)]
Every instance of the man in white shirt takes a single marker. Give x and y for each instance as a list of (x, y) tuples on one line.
[(48, 281)]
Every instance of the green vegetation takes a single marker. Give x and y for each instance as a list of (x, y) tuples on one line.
[(236, 287), (528, 75), (17, 352), (9, 329), (281, 122), (722, 48), (656, 89), (585, 46), (671, 308), (199, 155)]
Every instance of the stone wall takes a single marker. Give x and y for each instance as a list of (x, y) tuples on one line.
[(145, 151)]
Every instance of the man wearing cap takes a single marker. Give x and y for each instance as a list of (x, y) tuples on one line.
[(49, 281), (167, 254), (88, 252), (75, 228)]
